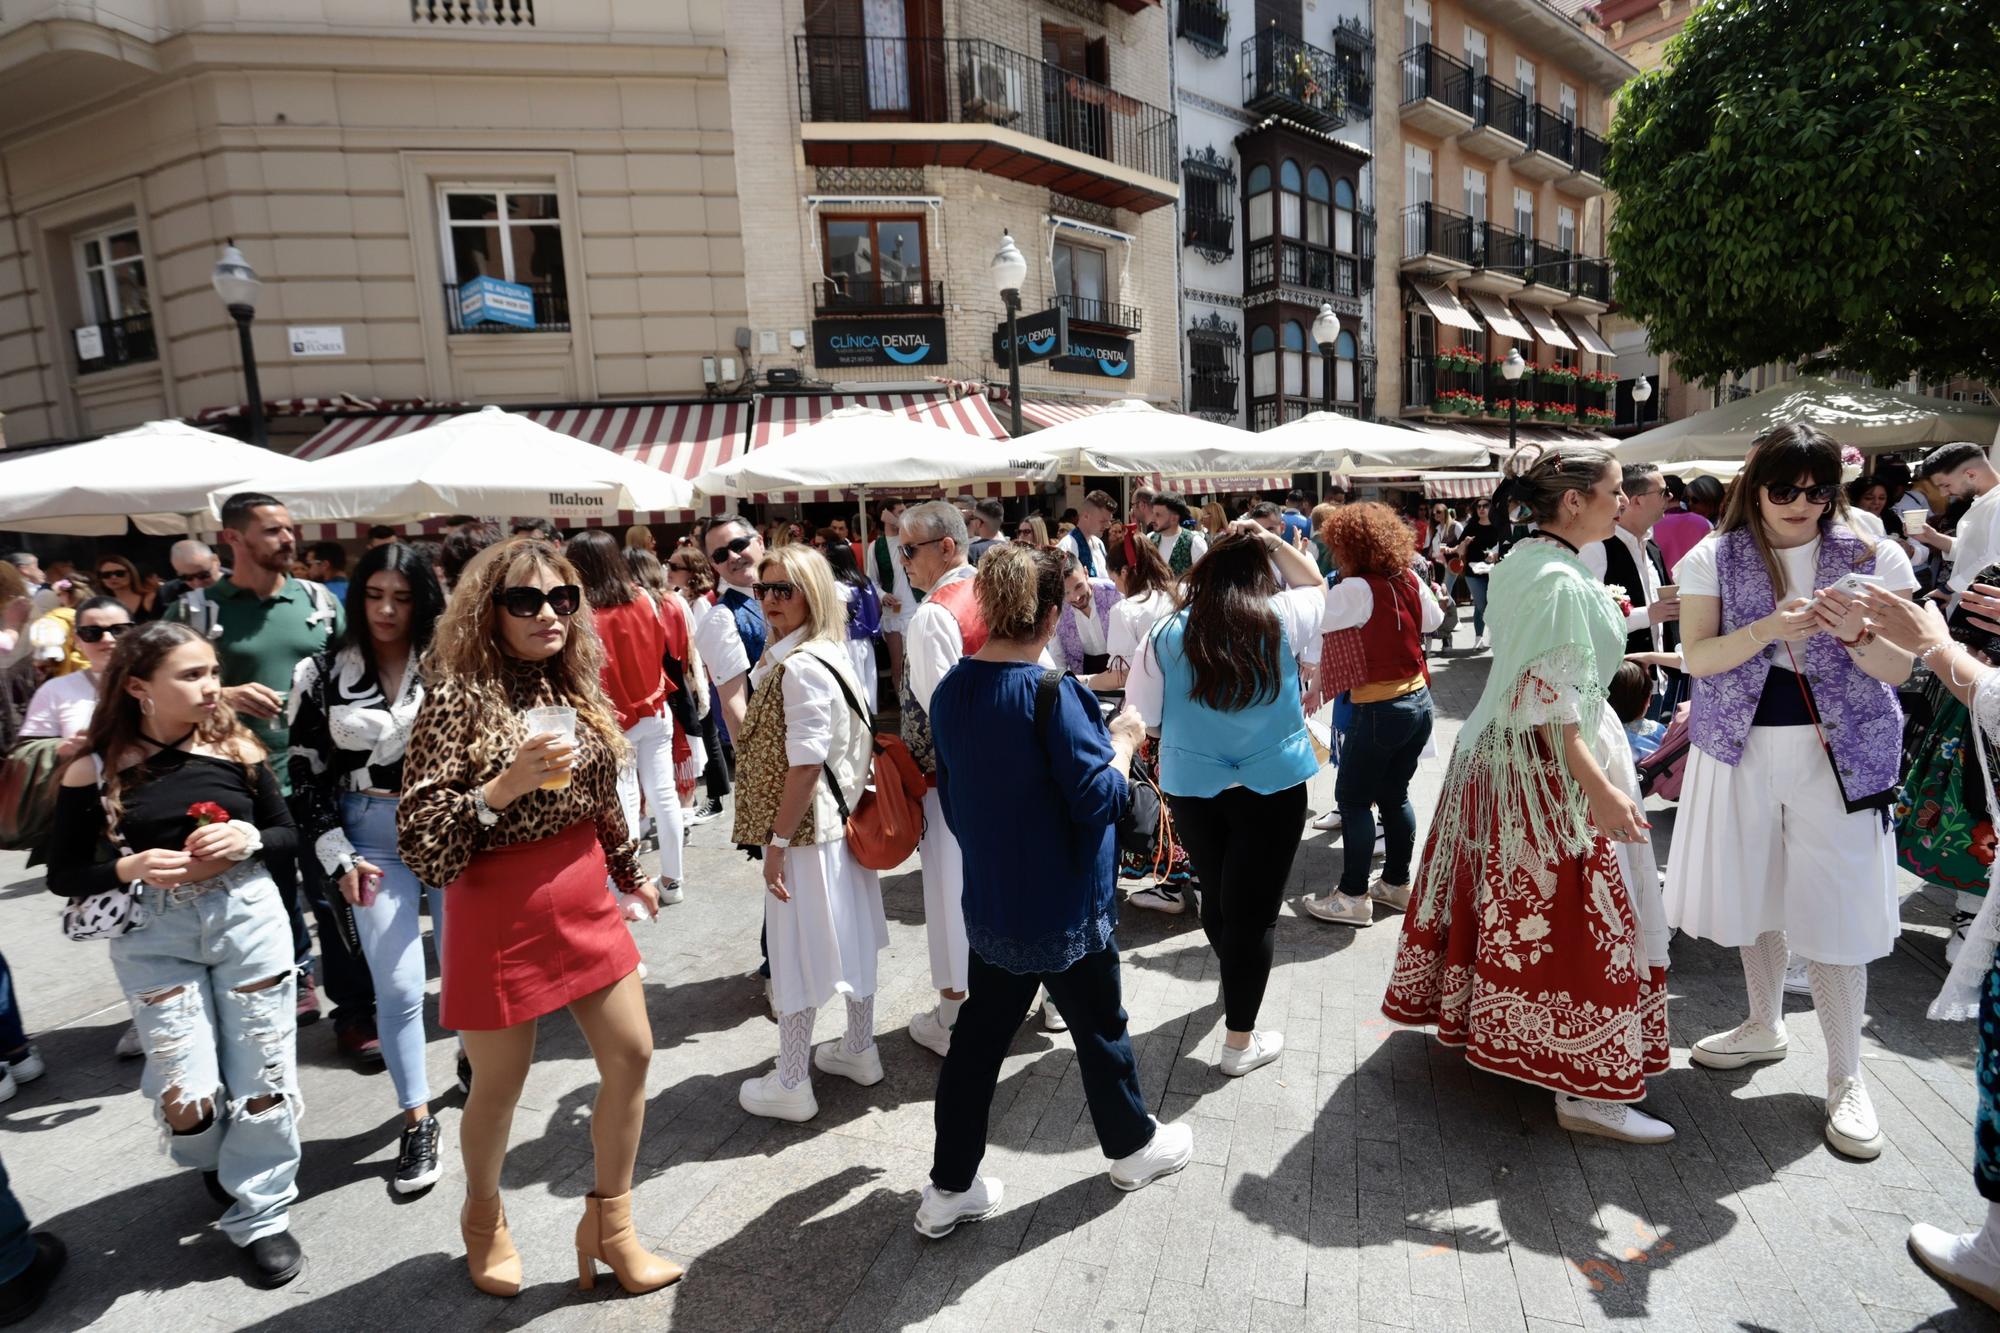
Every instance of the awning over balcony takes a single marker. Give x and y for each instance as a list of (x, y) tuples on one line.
[(1444, 306), (780, 415), (1587, 334), (1546, 327), (1497, 316)]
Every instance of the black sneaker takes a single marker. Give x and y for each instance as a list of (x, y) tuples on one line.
[(22, 1294), (417, 1167), (213, 1181), (464, 1073), (274, 1260), (704, 812)]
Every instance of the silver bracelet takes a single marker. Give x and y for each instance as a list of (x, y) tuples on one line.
[(1761, 643)]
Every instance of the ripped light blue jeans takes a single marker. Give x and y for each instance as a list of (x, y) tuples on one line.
[(216, 1035), (392, 940)]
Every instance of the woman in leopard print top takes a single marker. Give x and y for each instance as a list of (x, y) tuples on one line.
[(529, 926)]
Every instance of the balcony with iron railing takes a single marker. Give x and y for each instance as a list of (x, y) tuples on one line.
[(1100, 314), (551, 311), (1212, 390), (1591, 282), (1459, 383), (866, 295), (1551, 269), (1354, 56), (1499, 121), (1437, 91), (1285, 76), (1279, 262), (1547, 156), (119, 342), (1500, 257), (1213, 235), (865, 99), (1436, 238), (1588, 177), (1204, 25)]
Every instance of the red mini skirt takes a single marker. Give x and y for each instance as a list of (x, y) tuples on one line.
[(529, 928)]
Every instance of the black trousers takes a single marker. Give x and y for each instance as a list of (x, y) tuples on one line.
[(343, 974), (715, 776), (1242, 844), (996, 1001)]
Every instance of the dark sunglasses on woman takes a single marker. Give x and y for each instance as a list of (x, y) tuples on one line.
[(95, 633), (782, 591), (1819, 495), (112, 573), (526, 603)]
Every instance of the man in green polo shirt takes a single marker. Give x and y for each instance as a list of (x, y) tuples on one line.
[(263, 623)]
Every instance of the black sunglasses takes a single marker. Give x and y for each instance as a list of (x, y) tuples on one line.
[(727, 549), (203, 576), (1819, 495), (910, 549), (94, 633), (782, 591), (113, 573), (526, 603)]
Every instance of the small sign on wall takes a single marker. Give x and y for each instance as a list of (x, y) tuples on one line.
[(487, 300), (90, 343), (317, 340)]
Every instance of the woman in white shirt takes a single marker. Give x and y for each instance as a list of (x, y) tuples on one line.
[(802, 763), (62, 708), (1146, 590)]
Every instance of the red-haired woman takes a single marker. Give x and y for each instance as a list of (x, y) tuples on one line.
[(1382, 612)]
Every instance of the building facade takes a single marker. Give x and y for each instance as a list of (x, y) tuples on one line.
[(446, 200)]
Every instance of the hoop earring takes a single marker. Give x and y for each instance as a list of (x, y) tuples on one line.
[(146, 706)]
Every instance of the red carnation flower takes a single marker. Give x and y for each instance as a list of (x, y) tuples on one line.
[(204, 813)]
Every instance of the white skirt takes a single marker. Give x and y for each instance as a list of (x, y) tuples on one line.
[(1638, 861), (1769, 845), (862, 653), (944, 898), (824, 941)]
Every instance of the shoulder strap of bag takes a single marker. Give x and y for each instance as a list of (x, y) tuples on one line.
[(832, 782)]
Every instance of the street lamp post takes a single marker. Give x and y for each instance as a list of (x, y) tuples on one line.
[(1009, 272), (1511, 370), (1642, 391), (1326, 332), (236, 283)]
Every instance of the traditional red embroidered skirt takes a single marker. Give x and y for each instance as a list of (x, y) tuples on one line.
[(1537, 969), (529, 928)]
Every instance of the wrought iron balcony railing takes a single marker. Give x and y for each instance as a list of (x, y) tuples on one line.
[(1290, 77), (1429, 230), (857, 295), (1496, 247), (1496, 106), (1549, 133), (1205, 25), (1212, 390), (1589, 157), (121, 342), (1103, 314), (1431, 74)]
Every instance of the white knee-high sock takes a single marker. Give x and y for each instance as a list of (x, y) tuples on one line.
[(860, 1023), (1986, 1240), (1840, 994), (795, 1034), (1764, 979)]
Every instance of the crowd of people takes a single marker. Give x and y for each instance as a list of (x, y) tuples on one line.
[(276, 751)]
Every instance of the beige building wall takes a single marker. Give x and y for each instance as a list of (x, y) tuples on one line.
[(317, 135), (781, 230)]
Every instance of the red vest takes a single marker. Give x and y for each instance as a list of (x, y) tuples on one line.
[(959, 599), (1392, 642)]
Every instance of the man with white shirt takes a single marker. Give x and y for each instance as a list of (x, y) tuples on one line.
[(884, 564), (1629, 560), (1179, 544), (1082, 640), (1963, 471), (1086, 540)]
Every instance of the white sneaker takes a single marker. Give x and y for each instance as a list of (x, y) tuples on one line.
[(129, 1045), (1797, 980), (1611, 1120), (1263, 1048), (641, 969), (1851, 1126), (670, 892), (8, 1087), (1957, 1260), (1960, 923), (1395, 895), (1170, 1149), (1478, 643), (940, 1211), (1328, 822), (28, 1068), (1160, 898), (833, 1057), (928, 1030), (1747, 1043), (1340, 909), (1052, 1019), (766, 1096)]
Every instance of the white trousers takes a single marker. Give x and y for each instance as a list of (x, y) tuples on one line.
[(944, 898), (652, 770)]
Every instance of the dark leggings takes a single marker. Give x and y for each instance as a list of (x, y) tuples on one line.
[(1986, 1125), (1241, 844)]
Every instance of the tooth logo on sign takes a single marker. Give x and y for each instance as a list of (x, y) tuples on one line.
[(1110, 367), (878, 342), (906, 358), (1042, 346)]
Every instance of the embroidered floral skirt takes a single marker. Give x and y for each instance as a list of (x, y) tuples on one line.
[(1535, 968)]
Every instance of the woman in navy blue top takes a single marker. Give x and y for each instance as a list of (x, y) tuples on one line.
[(1034, 802)]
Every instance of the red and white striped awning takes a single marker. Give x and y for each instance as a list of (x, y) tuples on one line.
[(1460, 485), (1055, 411), (1189, 487), (778, 415)]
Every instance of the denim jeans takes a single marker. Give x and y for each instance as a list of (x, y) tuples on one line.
[(12, 1035), (1378, 757), (652, 772), (1476, 583), (391, 934), (206, 1036), (1087, 996), (342, 975), (17, 1246)]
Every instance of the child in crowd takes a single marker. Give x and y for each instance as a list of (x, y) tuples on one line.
[(1630, 693)]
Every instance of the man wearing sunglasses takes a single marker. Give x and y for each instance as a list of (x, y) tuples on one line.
[(1962, 471), (1629, 559), (735, 549), (195, 567)]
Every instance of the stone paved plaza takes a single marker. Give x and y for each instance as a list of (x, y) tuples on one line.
[(1367, 1180)]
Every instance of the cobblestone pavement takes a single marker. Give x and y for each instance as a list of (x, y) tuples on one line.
[(1369, 1179)]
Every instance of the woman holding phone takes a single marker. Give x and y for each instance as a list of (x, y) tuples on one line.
[(1783, 837), (510, 800)]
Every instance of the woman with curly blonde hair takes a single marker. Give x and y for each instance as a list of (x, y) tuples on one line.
[(1381, 611), (510, 799)]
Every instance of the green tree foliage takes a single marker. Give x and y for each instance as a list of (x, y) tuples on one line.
[(1816, 181)]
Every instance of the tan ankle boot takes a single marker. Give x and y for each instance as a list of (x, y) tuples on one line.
[(489, 1250), (605, 1236)]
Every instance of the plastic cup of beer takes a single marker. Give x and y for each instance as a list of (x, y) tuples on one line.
[(557, 721)]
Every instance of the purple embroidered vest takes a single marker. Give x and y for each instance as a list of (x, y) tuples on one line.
[(1859, 714), (1069, 642)]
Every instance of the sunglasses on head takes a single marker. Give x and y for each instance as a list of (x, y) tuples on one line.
[(731, 548), (1819, 495), (96, 633), (526, 603), (782, 591)]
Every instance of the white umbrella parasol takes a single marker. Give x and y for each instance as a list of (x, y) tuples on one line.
[(856, 448), (159, 476), (1330, 442), (484, 462), (1132, 438), (1869, 419)]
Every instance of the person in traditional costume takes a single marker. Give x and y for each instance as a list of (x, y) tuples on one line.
[(1523, 942)]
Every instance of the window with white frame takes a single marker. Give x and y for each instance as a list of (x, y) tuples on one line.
[(1343, 360), (111, 272), (1416, 174), (1475, 194), (1082, 280), (1524, 78), (1257, 203), (1475, 56), (1416, 23), (1565, 228), (512, 234), (1524, 212), (1566, 103)]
